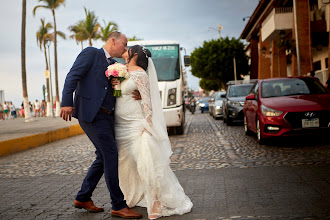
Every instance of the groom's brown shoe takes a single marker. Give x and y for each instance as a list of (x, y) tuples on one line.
[(126, 213), (89, 206)]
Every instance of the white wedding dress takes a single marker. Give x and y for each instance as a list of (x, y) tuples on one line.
[(144, 149)]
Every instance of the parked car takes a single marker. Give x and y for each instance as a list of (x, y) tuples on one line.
[(215, 105), (287, 106), (233, 101), (204, 104)]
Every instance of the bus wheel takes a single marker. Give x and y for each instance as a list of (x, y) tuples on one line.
[(180, 129)]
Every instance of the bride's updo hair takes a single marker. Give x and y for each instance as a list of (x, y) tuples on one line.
[(143, 55)]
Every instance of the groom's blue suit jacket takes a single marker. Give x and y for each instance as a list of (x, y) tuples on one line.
[(87, 79)]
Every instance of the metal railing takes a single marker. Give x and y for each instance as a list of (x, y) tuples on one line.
[(283, 10), (322, 75)]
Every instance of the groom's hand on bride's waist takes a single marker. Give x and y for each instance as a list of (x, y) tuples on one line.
[(136, 95), (66, 112)]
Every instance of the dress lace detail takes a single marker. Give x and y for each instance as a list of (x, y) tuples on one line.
[(141, 80), (145, 176)]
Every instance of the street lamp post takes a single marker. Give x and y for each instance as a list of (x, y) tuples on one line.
[(234, 59), (50, 81), (244, 18), (219, 29)]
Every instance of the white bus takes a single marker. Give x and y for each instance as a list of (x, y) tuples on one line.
[(167, 59)]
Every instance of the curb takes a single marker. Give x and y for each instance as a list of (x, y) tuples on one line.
[(24, 143)]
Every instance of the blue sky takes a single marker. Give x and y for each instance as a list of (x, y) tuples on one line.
[(186, 21)]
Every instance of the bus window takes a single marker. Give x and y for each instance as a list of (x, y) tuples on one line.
[(166, 61)]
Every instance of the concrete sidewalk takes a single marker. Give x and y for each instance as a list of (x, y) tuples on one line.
[(17, 135)]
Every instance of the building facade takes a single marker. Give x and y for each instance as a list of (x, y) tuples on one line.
[(2, 96), (280, 45)]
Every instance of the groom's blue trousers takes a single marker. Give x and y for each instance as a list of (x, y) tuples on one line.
[(101, 132)]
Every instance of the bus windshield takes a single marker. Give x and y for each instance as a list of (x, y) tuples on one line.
[(166, 60)]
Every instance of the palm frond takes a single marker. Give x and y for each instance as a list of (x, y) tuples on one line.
[(134, 38), (49, 4), (107, 29), (39, 6), (79, 32), (43, 33), (61, 34)]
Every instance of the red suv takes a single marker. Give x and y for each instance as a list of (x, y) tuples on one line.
[(287, 106)]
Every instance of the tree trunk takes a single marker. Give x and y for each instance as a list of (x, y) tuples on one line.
[(90, 42), (47, 79), (23, 66), (57, 111), (82, 46)]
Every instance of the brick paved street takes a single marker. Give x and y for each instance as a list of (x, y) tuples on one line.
[(226, 174)]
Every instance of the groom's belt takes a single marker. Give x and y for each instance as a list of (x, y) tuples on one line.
[(106, 111)]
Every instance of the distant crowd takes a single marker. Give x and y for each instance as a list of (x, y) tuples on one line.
[(9, 111)]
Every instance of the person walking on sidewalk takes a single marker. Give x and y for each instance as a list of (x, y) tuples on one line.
[(43, 108), (93, 106), (5, 110), (37, 107), (1, 111), (12, 110), (22, 110)]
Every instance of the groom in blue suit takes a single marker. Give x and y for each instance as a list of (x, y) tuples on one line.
[(94, 106)]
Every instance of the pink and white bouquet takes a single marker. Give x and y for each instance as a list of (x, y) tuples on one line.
[(119, 71)]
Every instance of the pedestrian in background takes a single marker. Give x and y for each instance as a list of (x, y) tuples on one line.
[(12, 110), (1, 112), (37, 107), (22, 110), (43, 108), (5, 110), (31, 107)]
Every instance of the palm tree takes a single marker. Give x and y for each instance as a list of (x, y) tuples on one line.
[(79, 33), (107, 29), (52, 5), (43, 36), (91, 26), (24, 85), (134, 38)]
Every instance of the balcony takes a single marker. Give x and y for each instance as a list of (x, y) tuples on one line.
[(279, 19)]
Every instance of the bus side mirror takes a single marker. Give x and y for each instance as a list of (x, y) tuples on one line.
[(186, 60)]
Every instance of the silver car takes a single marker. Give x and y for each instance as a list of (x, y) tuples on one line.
[(215, 105)]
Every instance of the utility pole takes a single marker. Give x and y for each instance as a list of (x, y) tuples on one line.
[(234, 59), (219, 29)]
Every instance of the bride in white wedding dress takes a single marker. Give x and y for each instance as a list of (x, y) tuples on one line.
[(145, 176)]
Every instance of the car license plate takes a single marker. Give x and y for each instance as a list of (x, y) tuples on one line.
[(311, 123)]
